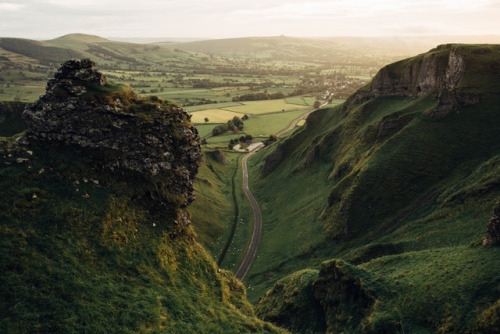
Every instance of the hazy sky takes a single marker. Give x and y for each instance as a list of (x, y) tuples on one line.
[(44, 19)]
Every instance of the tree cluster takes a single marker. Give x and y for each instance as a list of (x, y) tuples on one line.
[(236, 124), (259, 96)]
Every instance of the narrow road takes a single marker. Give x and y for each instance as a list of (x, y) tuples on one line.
[(297, 120), (257, 225), (257, 215)]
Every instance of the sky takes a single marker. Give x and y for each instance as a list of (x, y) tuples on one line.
[(46, 19)]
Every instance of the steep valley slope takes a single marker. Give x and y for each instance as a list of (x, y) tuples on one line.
[(383, 204), (94, 232)]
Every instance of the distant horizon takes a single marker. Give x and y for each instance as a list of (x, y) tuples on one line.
[(222, 19), (181, 39)]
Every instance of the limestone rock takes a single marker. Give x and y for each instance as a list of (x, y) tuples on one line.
[(493, 229), (144, 135), (438, 71)]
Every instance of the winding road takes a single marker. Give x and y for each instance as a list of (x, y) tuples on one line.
[(257, 224), (257, 216)]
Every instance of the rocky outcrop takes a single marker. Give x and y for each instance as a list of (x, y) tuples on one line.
[(439, 70), (218, 156), (148, 136), (272, 161), (434, 70), (493, 228)]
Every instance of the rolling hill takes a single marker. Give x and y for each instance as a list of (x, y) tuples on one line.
[(265, 47), (38, 50), (397, 187)]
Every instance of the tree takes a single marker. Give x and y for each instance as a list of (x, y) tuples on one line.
[(206, 120), (219, 129), (237, 122), (316, 104)]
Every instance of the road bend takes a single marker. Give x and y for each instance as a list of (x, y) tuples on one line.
[(257, 225), (257, 216)]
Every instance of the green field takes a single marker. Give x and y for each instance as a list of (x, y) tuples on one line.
[(214, 116), (204, 129), (223, 140), (262, 107), (302, 100), (212, 106), (265, 125)]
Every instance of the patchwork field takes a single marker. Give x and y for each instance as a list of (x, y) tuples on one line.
[(265, 125), (213, 115), (262, 107)]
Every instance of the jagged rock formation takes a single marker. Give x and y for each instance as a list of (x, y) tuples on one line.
[(493, 229), (142, 135), (432, 71)]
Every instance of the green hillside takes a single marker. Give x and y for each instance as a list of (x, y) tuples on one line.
[(38, 50), (94, 234), (265, 47), (290, 68), (400, 183)]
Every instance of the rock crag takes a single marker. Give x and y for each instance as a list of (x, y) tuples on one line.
[(144, 135), (439, 70), (493, 228)]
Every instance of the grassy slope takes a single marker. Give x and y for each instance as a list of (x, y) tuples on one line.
[(424, 190), (216, 211), (85, 249), (213, 211)]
